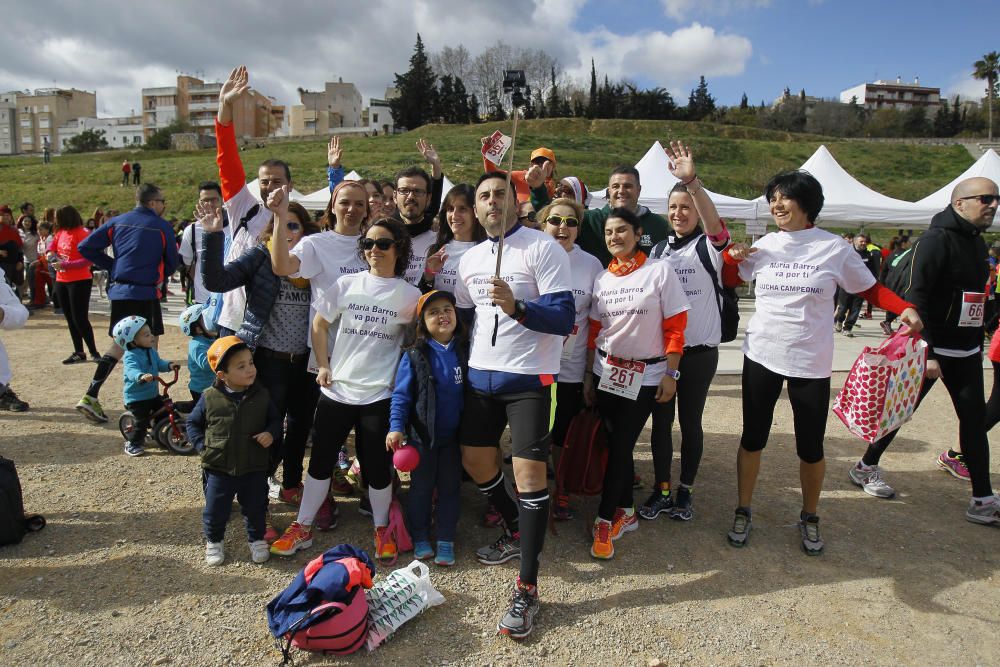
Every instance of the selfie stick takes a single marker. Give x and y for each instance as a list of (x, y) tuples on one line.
[(506, 198)]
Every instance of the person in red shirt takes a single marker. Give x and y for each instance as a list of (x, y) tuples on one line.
[(11, 259), (74, 282)]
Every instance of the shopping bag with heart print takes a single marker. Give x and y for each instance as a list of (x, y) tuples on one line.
[(882, 389)]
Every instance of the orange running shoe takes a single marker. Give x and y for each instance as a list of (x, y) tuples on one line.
[(603, 546), (296, 537), (385, 546), (623, 523)]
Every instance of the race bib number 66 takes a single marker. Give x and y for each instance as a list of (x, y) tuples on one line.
[(622, 377), (973, 307)]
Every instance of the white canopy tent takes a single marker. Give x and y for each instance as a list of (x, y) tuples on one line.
[(848, 202), (317, 201), (657, 181), (254, 186), (987, 165)]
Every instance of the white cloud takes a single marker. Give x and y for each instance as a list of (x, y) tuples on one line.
[(966, 87), (681, 10)]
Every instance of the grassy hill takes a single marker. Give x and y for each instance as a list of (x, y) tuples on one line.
[(732, 160)]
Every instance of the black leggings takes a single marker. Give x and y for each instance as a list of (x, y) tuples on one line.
[(697, 368), (569, 402), (810, 399), (624, 420), (74, 299), (963, 378), (332, 424)]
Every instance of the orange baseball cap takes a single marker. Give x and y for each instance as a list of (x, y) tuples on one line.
[(432, 295), (223, 347), (546, 153)]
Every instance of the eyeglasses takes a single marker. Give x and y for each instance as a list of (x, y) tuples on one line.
[(528, 216), (382, 244), (568, 220), (293, 226), (406, 192), (985, 200)]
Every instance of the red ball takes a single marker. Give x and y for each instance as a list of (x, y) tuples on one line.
[(406, 458)]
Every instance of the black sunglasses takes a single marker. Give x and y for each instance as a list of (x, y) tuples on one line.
[(985, 200), (382, 244), (529, 216), (568, 220), (293, 226)]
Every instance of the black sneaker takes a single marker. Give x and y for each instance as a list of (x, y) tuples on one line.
[(519, 620), (655, 505), (507, 547), (682, 510), (75, 358), (812, 543), (740, 532), (10, 401)]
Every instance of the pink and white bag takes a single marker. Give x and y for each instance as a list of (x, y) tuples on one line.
[(881, 390)]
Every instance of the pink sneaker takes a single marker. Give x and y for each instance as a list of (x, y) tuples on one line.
[(953, 465)]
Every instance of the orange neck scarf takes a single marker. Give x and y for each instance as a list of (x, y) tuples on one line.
[(624, 268)]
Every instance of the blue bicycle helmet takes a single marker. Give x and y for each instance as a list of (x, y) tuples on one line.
[(191, 315), (126, 329)]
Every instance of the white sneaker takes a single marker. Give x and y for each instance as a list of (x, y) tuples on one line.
[(260, 551), (986, 513), (273, 488), (214, 553), (871, 481)]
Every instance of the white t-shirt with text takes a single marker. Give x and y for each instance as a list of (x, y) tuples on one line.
[(448, 276), (584, 269), (421, 244), (704, 325)]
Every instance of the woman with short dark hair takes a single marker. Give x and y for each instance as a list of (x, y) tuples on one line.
[(74, 282)]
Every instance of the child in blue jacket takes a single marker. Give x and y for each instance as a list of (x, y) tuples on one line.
[(202, 335), (426, 410), (143, 365)]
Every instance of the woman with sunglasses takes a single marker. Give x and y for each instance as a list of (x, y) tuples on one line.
[(698, 239), (636, 339), (371, 310), (562, 222), (457, 232), (275, 326)]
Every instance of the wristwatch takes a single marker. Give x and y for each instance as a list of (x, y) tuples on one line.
[(676, 375), (520, 310)]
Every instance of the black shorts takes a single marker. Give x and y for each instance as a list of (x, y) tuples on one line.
[(122, 308), (485, 416)]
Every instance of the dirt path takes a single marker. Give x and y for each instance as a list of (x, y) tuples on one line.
[(118, 578)]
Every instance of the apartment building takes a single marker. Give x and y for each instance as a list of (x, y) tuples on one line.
[(41, 113), (893, 95), (196, 102), (8, 124), (122, 132), (338, 106)]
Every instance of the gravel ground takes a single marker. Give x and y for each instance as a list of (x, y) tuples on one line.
[(118, 577)]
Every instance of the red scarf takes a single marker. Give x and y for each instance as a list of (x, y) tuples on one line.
[(620, 268)]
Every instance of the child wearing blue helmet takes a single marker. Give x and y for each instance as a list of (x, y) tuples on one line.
[(142, 366), (203, 334)]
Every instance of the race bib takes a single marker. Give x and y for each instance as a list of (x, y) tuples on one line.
[(569, 344), (622, 377), (973, 306)]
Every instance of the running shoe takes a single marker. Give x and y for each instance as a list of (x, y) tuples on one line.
[(838, 327), (740, 532), (271, 533), (445, 554), (91, 408), (561, 511), (296, 537), (682, 510), (214, 554), (604, 545), (623, 523), (339, 486), (655, 505), (812, 543), (292, 496), (953, 465), (491, 517), (10, 401), (519, 620), (848, 333), (385, 546), (422, 550), (507, 547), (326, 517), (133, 449), (886, 328), (75, 358), (260, 552), (985, 512), (870, 479)]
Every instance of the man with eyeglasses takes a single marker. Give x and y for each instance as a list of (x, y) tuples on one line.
[(145, 252), (948, 273), (210, 194), (418, 199)]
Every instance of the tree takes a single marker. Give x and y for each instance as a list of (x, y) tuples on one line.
[(160, 140), (417, 100), (943, 126), (555, 106), (474, 115), (592, 102), (956, 117), (454, 62), (988, 70), (87, 141), (744, 104), (915, 121), (701, 104)]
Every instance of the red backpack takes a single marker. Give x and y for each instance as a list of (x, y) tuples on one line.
[(584, 457)]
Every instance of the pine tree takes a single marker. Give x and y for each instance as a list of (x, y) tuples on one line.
[(417, 100), (554, 109), (474, 116), (460, 103), (956, 117), (445, 100), (744, 104), (701, 104), (592, 102)]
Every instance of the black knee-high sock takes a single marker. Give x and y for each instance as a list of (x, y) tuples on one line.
[(534, 513), (500, 497), (104, 368)]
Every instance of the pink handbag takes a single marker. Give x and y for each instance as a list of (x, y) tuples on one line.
[(343, 630), (882, 389)]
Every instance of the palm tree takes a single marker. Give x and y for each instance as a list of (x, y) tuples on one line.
[(988, 69)]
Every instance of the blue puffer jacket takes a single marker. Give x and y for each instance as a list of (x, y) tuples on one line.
[(252, 269), (145, 249)]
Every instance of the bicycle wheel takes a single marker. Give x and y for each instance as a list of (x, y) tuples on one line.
[(174, 440), (126, 424)]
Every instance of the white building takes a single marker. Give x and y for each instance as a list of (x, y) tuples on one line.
[(8, 124), (118, 132), (379, 116), (893, 95)]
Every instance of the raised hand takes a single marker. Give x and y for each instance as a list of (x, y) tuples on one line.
[(429, 152), (277, 202), (682, 161), (209, 217), (237, 84), (534, 176), (333, 152)]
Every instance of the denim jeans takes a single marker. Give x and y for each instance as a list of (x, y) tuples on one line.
[(220, 489), (440, 468)]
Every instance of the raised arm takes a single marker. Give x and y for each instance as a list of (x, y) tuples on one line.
[(232, 176), (683, 168)]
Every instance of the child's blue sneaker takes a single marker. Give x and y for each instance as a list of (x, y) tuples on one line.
[(422, 550), (133, 449), (445, 554)]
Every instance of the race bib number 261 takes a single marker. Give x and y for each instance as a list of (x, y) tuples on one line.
[(622, 377)]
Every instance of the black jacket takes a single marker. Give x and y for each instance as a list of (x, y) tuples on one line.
[(948, 259)]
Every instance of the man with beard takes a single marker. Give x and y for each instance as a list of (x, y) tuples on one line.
[(417, 199), (520, 322)]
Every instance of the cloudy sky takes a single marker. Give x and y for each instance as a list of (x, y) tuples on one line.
[(752, 46)]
